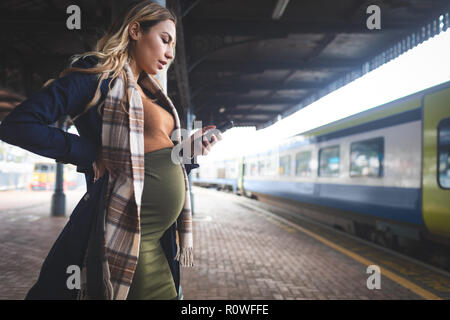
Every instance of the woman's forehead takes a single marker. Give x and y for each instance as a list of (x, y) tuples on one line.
[(168, 27)]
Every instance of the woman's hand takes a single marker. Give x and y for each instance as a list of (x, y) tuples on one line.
[(203, 144), (99, 167)]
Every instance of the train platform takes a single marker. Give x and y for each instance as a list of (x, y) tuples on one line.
[(243, 249)]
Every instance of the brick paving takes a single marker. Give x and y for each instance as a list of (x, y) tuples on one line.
[(239, 254), (27, 232)]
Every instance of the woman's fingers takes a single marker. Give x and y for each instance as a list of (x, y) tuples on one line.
[(99, 169), (215, 138), (204, 129), (206, 146), (203, 143)]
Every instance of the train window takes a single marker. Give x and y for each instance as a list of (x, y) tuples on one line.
[(366, 158), (254, 169), (329, 161), (40, 167), (303, 164), (44, 167), (444, 153), (249, 168), (246, 168), (285, 165), (268, 166), (261, 164)]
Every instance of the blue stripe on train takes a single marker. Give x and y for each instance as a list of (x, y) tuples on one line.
[(398, 204)]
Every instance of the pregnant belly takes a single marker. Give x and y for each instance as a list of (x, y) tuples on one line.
[(163, 195)]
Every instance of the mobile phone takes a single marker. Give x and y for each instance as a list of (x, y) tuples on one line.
[(227, 125)]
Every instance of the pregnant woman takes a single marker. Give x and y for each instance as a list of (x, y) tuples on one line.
[(128, 129)]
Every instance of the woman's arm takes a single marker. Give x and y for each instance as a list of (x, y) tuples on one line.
[(27, 126)]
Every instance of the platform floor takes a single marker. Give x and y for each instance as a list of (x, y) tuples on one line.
[(242, 250)]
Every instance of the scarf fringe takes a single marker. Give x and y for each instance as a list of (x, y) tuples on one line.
[(185, 257), (82, 294)]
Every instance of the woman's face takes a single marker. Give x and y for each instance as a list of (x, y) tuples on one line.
[(153, 49)]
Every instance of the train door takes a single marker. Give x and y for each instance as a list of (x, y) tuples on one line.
[(436, 162), (241, 173)]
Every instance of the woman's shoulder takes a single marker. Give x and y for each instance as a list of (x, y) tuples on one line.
[(87, 62)]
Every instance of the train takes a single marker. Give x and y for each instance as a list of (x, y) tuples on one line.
[(23, 170), (44, 177), (382, 174), (15, 167)]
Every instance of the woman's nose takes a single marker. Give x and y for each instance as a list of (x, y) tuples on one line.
[(169, 53)]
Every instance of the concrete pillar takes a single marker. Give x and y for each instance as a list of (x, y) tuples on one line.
[(162, 75), (58, 207)]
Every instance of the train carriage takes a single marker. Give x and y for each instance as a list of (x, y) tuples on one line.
[(384, 171)]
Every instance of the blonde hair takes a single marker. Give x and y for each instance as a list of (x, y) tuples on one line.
[(112, 50)]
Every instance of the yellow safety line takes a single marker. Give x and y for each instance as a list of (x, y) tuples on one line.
[(400, 280)]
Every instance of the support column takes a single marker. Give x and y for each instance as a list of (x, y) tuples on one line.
[(58, 208), (182, 76), (162, 75)]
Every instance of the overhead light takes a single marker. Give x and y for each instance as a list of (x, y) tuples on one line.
[(279, 9), (222, 110)]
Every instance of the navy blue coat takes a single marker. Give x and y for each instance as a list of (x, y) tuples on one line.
[(29, 126)]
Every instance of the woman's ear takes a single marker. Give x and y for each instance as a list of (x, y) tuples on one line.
[(133, 30)]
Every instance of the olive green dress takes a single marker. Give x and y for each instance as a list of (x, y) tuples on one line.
[(162, 200)]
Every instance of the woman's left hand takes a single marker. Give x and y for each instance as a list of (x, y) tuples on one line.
[(203, 144)]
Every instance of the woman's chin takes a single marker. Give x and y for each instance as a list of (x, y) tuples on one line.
[(152, 71)]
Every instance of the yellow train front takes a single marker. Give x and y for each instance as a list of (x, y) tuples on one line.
[(44, 174), (383, 174), (43, 177)]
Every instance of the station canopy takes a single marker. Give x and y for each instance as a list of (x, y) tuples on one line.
[(252, 61)]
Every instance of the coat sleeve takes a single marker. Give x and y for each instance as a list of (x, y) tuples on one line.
[(27, 126)]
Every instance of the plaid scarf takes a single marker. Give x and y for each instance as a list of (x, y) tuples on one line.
[(123, 152)]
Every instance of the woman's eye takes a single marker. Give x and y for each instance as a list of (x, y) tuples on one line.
[(164, 40)]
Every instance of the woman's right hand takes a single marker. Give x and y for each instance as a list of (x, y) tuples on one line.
[(100, 167)]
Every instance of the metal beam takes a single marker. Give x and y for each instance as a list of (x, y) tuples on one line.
[(47, 25), (192, 6), (255, 27), (251, 112), (180, 64), (279, 9), (245, 86), (329, 37), (226, 101), (257, 67)]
